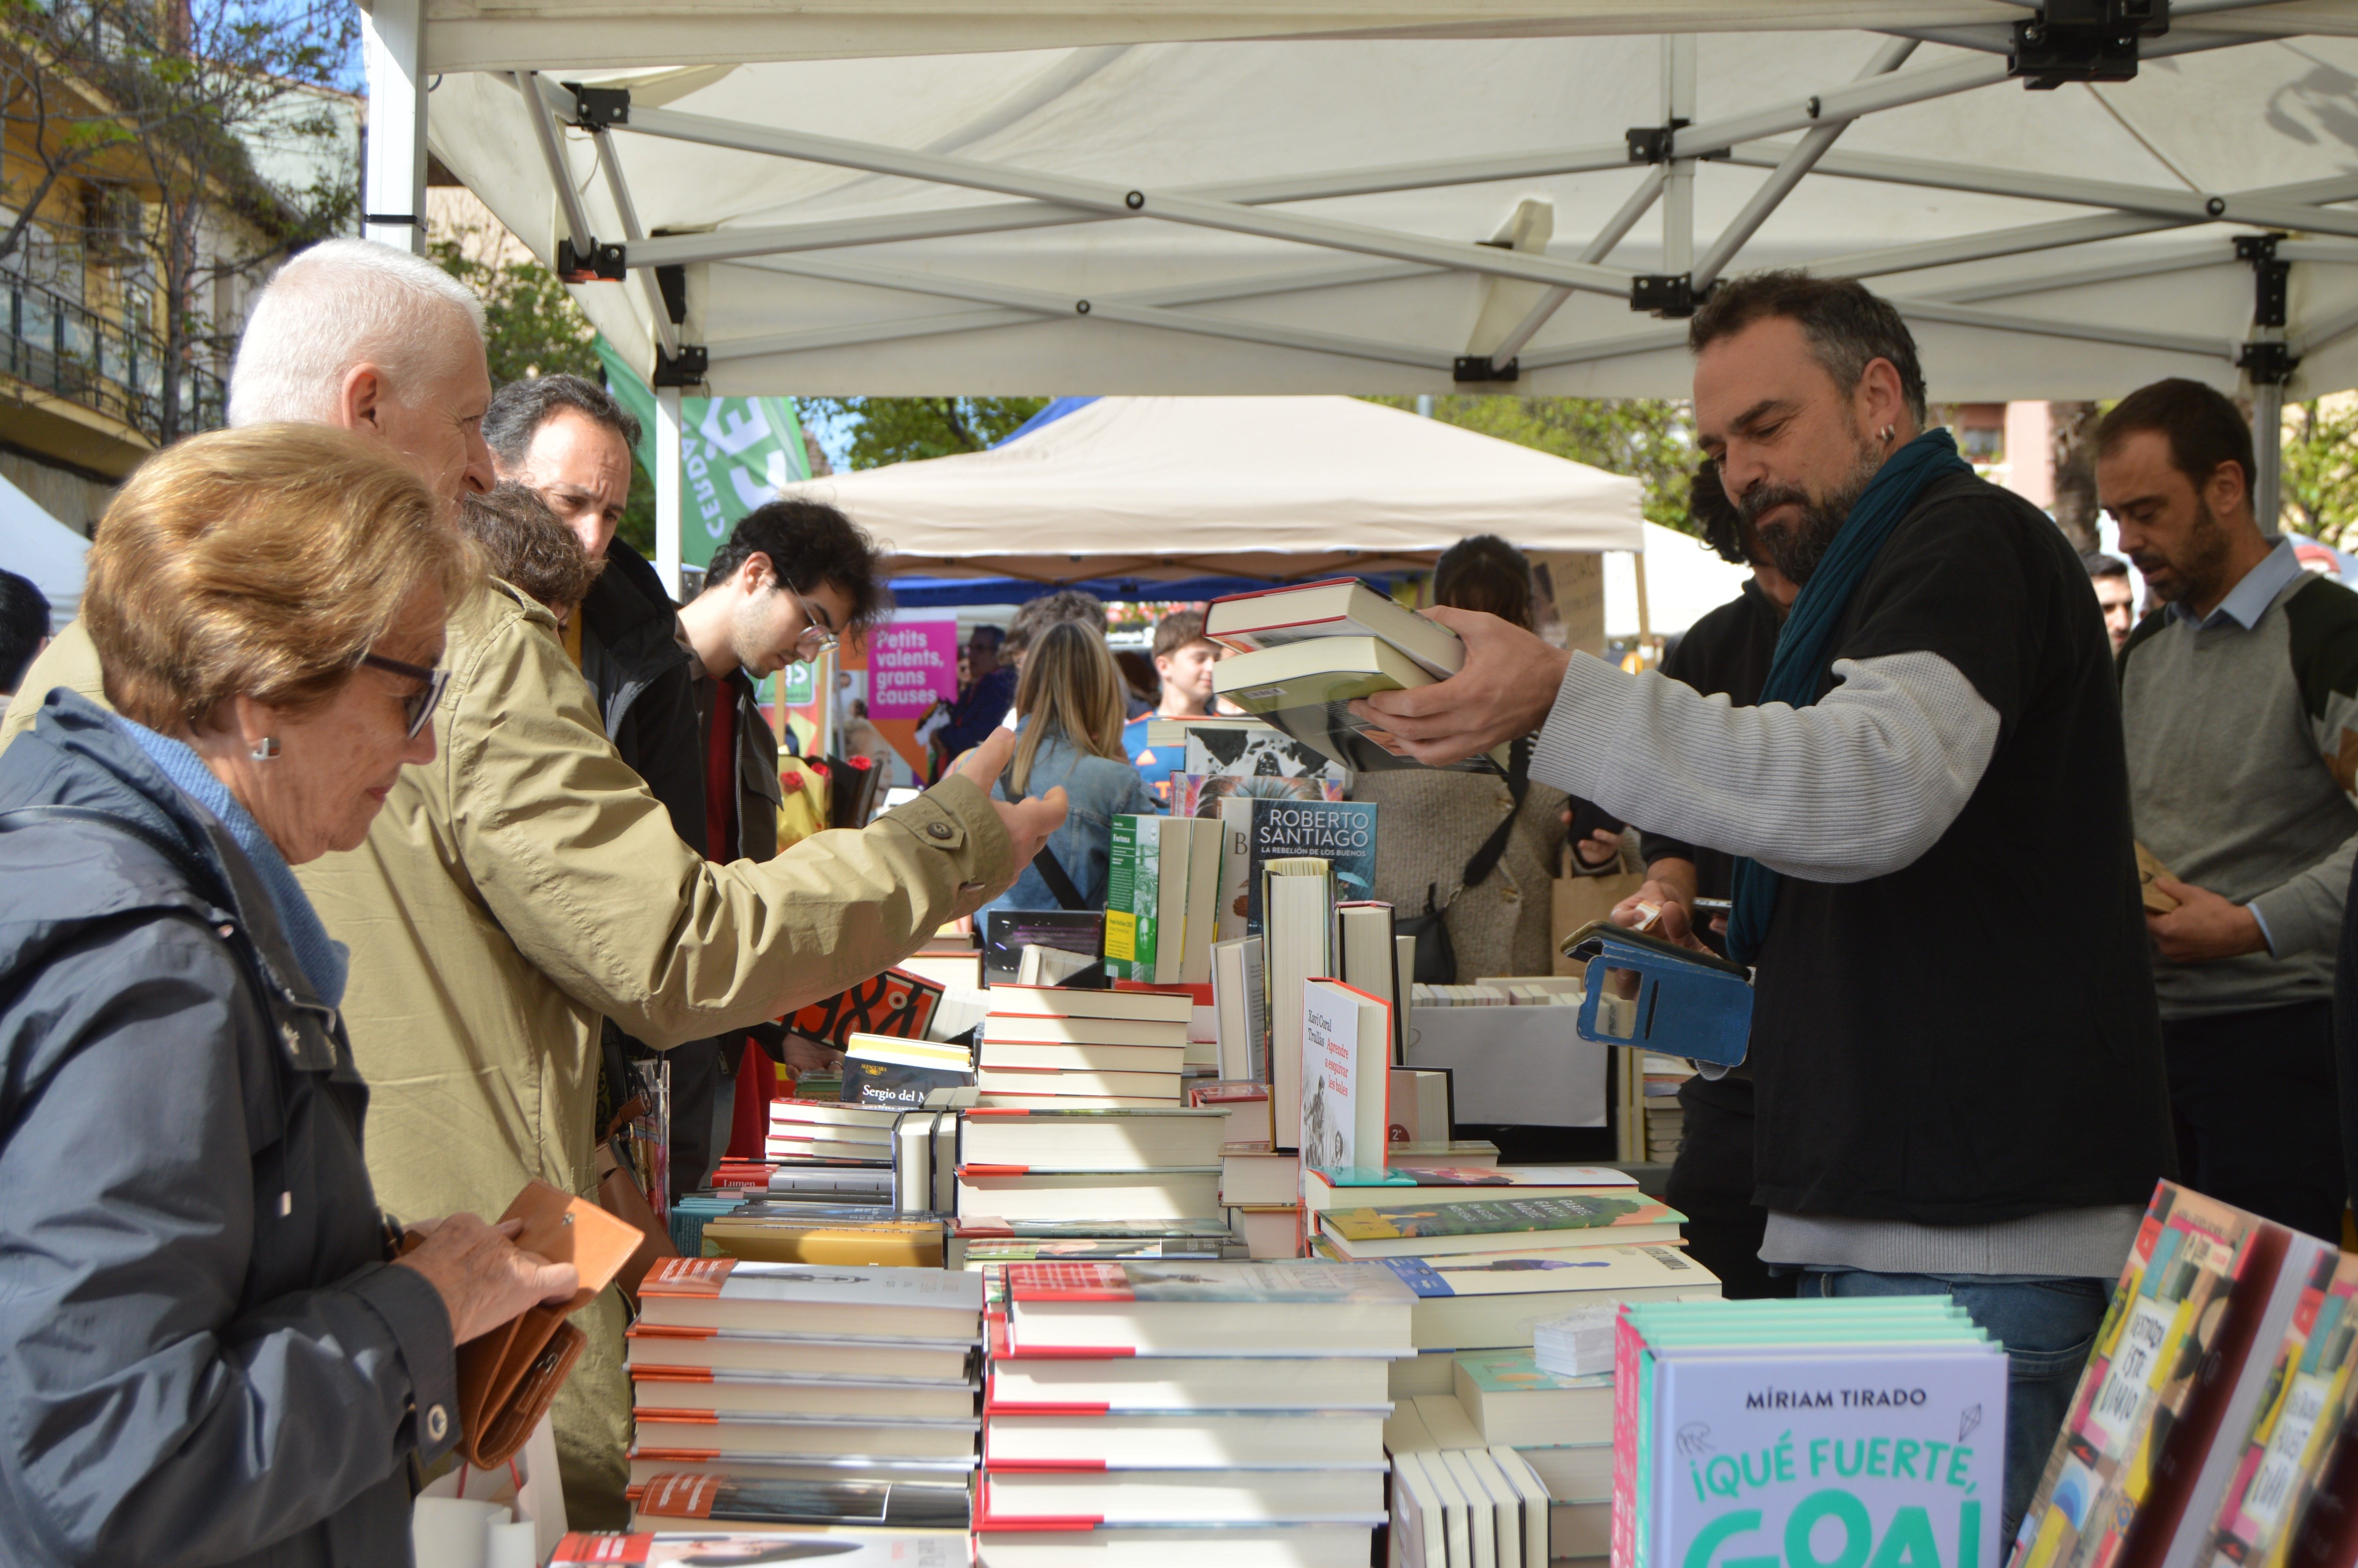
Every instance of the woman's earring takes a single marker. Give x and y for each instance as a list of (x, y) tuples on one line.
[(264, 748)]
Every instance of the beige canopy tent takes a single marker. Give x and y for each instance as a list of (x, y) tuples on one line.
[(1182, 488)]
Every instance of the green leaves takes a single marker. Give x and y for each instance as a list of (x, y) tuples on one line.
[(903, 429), (1647, 439)]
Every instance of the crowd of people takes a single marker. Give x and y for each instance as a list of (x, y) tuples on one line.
[(379, 784)]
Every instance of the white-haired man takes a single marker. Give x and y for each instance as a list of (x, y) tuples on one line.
[(525, 883)]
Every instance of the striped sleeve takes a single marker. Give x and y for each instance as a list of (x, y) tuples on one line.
[(1857, 786)]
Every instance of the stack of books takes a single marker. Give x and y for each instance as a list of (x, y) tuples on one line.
[(1183, 1415), (1307, 652), (1665, 1121), (1044, 1048), (809, 1378), (1883, 1418), (830, 1151), (1481, 1283), (1111, 1169)]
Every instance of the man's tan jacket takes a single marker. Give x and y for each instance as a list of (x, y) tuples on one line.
[(524, 883)]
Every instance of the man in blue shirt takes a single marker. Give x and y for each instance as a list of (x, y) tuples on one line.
[(1184, 658), (2239, 700)]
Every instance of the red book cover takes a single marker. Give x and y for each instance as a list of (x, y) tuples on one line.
[(895, 1002)]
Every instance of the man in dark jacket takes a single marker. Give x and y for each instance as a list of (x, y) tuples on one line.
[(1936, 760), (570, 441)]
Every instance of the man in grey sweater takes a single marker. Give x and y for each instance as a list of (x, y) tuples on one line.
[(2237, 702)]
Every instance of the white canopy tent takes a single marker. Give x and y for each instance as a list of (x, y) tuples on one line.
[(36, 546), (1289, 488), (978, 196), (1685, 581)]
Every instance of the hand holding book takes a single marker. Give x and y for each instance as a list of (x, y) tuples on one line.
[(1504, 691)]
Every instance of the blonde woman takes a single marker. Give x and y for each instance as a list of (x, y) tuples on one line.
[(1070, 708)]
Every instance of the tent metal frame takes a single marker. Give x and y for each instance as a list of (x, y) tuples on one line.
[(395, 47)]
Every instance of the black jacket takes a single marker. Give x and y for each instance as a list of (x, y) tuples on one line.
[(1726, 653), (632, 657), (204, 1355)]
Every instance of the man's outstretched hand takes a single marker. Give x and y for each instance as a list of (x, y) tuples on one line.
[(1505, 691), (1028, 821)]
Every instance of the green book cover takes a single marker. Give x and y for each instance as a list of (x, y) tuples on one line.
[(1496, 1217), (1133, 895)]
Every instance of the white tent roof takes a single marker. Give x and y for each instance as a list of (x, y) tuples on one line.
[(1685, 581), (37, 545), (1184, 487), (1152, 211)]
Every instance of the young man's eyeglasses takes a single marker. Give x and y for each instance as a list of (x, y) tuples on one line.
[(419, 706), (816, 635)]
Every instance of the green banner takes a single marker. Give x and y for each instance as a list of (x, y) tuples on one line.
[(734, 453)]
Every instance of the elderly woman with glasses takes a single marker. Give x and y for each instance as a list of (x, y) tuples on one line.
[(208, 1351)]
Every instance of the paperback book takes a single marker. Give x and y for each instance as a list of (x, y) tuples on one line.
[(1481, 1226)]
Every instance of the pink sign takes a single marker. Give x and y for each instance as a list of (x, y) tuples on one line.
[(909, 665)]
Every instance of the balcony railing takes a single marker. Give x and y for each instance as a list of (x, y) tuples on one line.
[(55, 344)]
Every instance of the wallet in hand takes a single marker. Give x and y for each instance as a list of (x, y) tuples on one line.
[(509, 1376)]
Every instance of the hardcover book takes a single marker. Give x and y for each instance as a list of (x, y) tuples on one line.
[(1346, 1039), (894, 1003)]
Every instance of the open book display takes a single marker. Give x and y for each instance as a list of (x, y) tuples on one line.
[(1653, 995)]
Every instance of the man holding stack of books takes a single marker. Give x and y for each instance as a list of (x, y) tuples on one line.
[(1953, 1040)]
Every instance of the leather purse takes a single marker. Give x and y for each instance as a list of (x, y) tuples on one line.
[(509, 1376)]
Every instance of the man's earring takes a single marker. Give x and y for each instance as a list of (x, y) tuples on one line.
[(265, 749), (1889, 431)]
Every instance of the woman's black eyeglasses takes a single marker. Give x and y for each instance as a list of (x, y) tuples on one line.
[(418, 706)]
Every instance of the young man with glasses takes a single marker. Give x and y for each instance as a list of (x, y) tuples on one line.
[(789, 579)]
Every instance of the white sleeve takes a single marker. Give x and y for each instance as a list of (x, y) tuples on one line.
[(1857, 786)]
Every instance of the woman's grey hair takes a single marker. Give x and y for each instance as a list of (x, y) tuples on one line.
[(343, 303)]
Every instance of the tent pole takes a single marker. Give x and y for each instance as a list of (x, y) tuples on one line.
[(2265, 207), (2268, 455), (1920, 309), (667, 498), (394, 211), (1115, 200), (1788, 174), (628, 211), (552, 152), (1678, 181), (1063, 308)]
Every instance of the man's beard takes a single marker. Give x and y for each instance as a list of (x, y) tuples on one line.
[(1798, 547), (2196, 578)]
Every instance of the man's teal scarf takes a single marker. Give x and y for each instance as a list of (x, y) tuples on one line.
[(1803, 646)]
